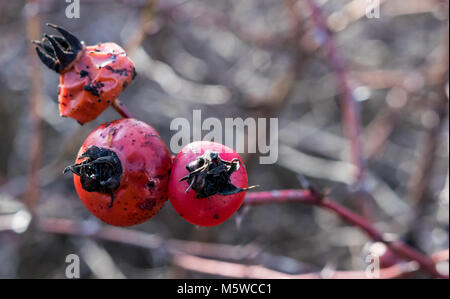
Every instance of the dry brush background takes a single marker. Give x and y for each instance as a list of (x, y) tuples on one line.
[(363, 115)]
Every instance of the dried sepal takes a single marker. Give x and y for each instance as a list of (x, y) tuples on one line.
[(209, 175), (56, 52)]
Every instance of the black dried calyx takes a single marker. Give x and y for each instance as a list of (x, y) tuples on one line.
[(100, 171), (210, 175), (56, 52)]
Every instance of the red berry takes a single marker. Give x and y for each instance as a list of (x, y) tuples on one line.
[(207, 183), (91, 77), (122, 172)]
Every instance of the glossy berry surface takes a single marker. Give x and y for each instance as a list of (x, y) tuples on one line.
[(122, 171), (91, 77), (208, 183)]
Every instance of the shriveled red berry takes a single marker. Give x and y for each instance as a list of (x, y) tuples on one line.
[(207, 183), (122, 171), (91, 77)]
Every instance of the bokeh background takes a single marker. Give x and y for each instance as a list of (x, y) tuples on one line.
[(234, 58)]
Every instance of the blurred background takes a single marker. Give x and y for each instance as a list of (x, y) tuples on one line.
[(311, 64)]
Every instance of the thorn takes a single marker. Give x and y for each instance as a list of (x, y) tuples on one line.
[(304, 183)]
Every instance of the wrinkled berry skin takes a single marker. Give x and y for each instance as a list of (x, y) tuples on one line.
[(211, 210), (146, 164), (94, 82), (91, 77)]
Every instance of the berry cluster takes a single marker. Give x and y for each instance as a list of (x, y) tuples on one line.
[(124, 172)]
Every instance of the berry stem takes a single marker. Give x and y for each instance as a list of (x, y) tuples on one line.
[(121, 109), (313, 197)]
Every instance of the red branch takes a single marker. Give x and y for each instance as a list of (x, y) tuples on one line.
[(314, 198), (350, 111)]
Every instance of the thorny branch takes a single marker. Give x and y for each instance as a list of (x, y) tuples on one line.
[(315, 198)]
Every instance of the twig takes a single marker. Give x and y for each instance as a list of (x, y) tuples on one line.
[(226, 269), (349, 106), (36, 99), (140, 239), (381, 128), (420, 180), (236, 270), (438, 106), (314, 198), (350, 110)]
